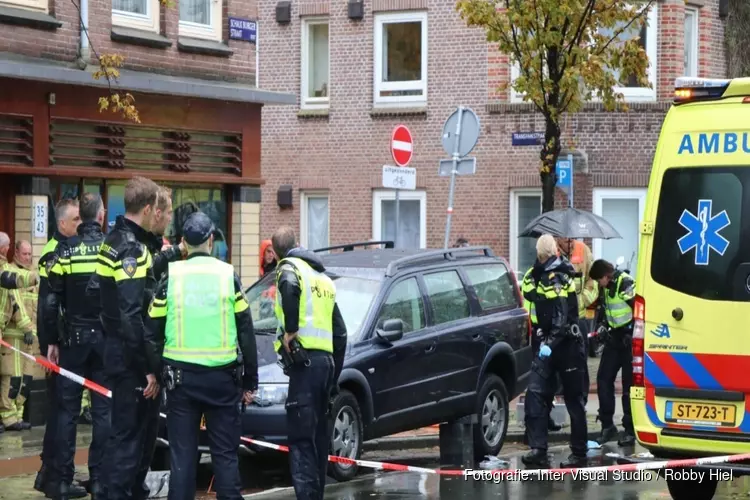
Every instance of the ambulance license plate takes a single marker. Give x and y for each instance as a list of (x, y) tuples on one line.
[(700, 414)]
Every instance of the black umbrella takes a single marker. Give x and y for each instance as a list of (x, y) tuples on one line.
[(570, 223)]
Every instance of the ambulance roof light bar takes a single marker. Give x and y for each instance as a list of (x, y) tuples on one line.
[(689, 89)]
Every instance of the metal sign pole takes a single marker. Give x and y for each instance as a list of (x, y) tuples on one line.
[(570, 162), (398, 219), (453, 176)]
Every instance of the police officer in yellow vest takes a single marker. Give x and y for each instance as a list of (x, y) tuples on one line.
[(617, 294), (201, 319), (309, 324)]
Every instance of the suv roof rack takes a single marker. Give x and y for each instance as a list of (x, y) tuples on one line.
[(349, 247), (447, 254)]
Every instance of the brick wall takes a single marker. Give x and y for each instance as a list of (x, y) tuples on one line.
[(246, 240), (25, 222), (344, 151), (63, 43)]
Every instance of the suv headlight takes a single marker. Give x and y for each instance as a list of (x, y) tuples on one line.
[(272, 394)]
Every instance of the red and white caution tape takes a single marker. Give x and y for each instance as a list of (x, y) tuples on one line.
[(507, 473)]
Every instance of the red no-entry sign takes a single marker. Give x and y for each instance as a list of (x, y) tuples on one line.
[(401, 145)]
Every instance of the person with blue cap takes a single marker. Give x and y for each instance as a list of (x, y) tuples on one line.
[(200, 324)]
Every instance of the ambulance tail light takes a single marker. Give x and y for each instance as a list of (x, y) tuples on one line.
[(639, 330), (699, 89)]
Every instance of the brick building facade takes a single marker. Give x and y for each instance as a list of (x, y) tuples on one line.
[(199, 106), (330, 147)]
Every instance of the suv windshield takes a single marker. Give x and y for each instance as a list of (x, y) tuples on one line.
[(701, 243), (354, 295)]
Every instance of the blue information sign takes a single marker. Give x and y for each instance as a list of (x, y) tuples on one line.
[(527, 138), (243, 29), (564, 173)]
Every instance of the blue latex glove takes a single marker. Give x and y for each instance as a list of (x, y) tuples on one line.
[(545, 351)]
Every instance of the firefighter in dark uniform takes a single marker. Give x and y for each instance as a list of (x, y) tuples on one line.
[(311, 326), (126, 283), (81, 349), (200, 319), (616, 295), (560, 354), (68, 218)]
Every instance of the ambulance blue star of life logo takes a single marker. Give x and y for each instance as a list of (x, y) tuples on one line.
[(703, 232)]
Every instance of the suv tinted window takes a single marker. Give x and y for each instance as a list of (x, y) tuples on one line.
[(404, 302), (447, 295), (700, 237), (492, 285)]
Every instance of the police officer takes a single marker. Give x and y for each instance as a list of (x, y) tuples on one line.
[(560, 354), (617, 294), (309, 321), (126, 284), (67, 218), (200, 318), (81, 350)]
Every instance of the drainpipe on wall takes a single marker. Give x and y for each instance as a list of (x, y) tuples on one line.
[(84, 52)]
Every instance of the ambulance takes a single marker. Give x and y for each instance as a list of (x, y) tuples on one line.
[(691, 336)]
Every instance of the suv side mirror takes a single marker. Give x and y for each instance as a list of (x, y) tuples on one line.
[(392, 330)]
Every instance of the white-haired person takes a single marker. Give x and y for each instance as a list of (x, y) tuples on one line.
[(549, 290)]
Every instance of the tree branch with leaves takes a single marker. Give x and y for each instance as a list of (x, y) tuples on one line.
[(567, 52)]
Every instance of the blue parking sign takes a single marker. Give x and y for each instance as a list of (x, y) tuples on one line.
[(564, 173)]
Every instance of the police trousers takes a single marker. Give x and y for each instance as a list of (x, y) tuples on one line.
[(215, 394), (132, 439), (49, 444), (566, 361), (84, 359), (307, 424), (617, 355)]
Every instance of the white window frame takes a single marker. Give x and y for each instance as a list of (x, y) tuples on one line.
[(379, 196), (378, 84), (515, 194), (146, 22), (35, 5), (695, 12), (305, 101), (600, 194), (203, 31), (630, 94), (304, 198)]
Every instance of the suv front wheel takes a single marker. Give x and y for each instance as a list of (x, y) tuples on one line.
[(492, 417), (346, 435)]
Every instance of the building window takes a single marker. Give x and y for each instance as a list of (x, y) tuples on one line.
[(36, 5), (412, 214), (400, 58), (525, 204), (315, 63), (631, 92), (314, 221), (623, 208), (137, 14), (691, 42), (201, 19)]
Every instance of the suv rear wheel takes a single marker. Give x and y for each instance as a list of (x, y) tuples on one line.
[(692, 489), (492, 417), (346, 435)]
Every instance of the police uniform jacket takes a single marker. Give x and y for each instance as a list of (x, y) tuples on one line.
[(289, 288), (156, 325), (45, 335), (72, 265), (554, 298), (125, 281)]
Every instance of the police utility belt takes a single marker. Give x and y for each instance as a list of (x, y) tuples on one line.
[(172, 376), (297, 355), (571, 331), (80, 335)]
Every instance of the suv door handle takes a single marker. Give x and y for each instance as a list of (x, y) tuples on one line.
[(430, 348), (476, 336)]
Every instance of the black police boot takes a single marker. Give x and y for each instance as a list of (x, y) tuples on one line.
[(608, 434), (574, 461), (41, 479), (68, 491), (626, 439), (553, 426), (97, 491), (536, 459)]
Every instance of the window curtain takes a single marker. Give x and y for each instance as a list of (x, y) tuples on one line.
[(409, 229), (196, 11), (132, 6), (317, 223)]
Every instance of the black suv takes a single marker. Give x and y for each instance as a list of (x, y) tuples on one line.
[(434, 335)]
